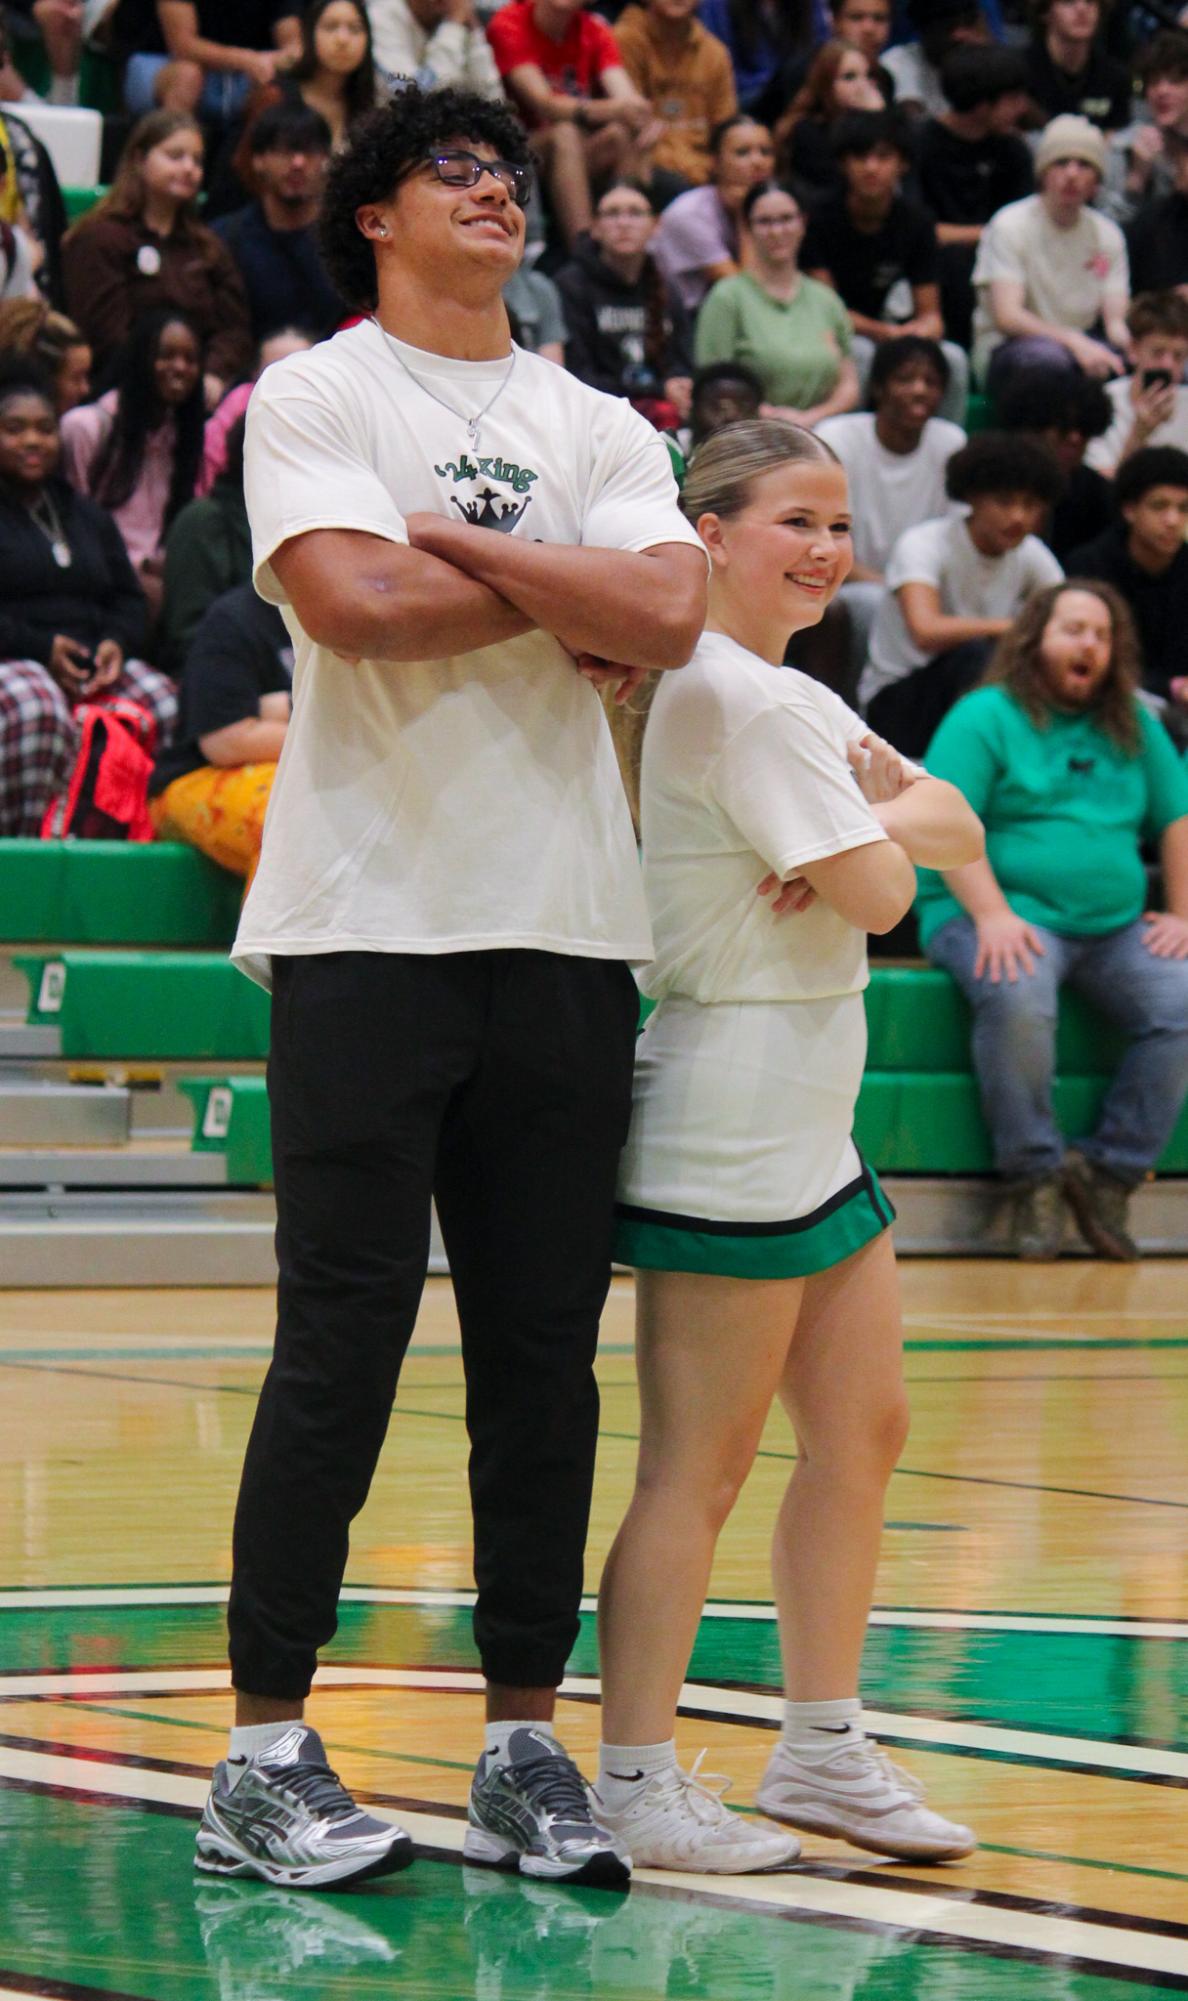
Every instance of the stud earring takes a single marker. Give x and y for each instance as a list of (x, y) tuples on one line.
[(382, 230)]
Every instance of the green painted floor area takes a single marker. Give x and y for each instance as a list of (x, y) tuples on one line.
[(1085, 1684), (104, 1897)]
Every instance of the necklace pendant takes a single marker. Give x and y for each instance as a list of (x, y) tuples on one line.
[(61, 553), (472, 426)]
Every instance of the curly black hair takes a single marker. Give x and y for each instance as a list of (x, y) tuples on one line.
[(1003, 462), (24, 375), (1055, 399), (1155, 465), (385, 146)]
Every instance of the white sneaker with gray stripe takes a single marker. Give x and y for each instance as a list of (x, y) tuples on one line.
[(284, 1816), (859, 1795)]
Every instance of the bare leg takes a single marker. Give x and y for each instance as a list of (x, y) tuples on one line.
[(251, 1709), (179, 86), (519, 1705), (711, 1353), (843, 1389)]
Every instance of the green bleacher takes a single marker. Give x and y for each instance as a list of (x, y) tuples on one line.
[(918, 1112), (100, 892), (149, 1006)]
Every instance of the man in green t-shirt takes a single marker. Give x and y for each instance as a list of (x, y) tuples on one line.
[(1070, 776)]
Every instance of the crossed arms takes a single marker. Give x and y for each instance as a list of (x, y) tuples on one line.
[(456, 588)]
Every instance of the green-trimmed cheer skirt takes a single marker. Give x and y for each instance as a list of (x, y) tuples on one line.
[(741, 1160)]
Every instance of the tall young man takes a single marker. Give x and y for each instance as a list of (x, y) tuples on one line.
[(460, 536)]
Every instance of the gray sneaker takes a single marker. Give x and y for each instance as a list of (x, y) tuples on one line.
[(1101, 1206), (533, 1814), (283, 1816), (1037, 1220)]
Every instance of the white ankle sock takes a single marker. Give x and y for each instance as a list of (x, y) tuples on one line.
[(813, 1731), (499, 1737), (623, 1767), (249, 1739)]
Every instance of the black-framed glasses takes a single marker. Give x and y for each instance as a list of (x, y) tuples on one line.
[(466, 170)]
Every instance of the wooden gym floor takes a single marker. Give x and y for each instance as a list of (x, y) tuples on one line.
[(1028, 1659)]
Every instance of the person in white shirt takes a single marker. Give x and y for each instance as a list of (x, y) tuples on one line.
[(1051, 275), (764, 1262), (955, 585), (1151, 403), (440, 43), (461, 539), (895, 455)]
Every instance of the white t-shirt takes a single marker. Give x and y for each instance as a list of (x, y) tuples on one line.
[(744, 770), (916, 80), (1064, 272), (1104, 453), (890, 492), (467, 803), (970, 585)]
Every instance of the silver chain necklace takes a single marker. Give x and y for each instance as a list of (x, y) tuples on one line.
[(51, 527), (471, 423)]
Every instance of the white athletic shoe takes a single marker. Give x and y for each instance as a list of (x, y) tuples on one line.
[(860, 1795), (677, 1820)]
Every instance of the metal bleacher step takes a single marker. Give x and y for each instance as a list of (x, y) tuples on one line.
[(37, 1113), (139, 1165), (966, 1215), (120, 1237)]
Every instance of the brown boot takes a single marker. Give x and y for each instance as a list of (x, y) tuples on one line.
[(1101, 1205), (1037, 1220)]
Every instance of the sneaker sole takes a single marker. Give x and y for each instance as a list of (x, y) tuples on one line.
[(689, 1866), (216, 1859), (903, 1850), (603, 1870)]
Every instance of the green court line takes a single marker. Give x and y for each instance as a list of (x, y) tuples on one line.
[(1084, 1862), (262, 1351)]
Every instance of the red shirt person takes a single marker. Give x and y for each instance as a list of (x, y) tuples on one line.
[(565, 74)]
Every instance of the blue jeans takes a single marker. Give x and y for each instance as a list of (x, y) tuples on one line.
[(224, 93), (1014, 1046)]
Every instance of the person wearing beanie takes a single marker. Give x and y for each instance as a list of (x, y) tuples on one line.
[(1051, 274), (1068, 69)]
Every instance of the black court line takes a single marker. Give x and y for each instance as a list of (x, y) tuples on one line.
[(826, 1871), (630, 1437)]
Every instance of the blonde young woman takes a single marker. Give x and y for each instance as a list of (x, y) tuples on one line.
[(764, 1263)]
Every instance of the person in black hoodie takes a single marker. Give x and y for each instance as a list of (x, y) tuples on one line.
[(627, 332), (72, 615)]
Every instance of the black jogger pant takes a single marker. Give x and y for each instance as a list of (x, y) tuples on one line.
[(500, 1083)]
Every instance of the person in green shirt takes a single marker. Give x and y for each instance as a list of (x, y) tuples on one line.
[(793, 331), (1070, 775)]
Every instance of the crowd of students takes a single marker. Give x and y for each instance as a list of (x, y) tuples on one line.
[(741, 212)]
